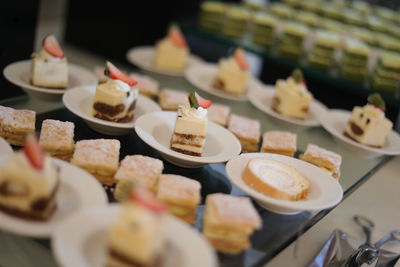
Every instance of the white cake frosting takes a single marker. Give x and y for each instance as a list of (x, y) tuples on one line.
[(234, 78), (372, 123), (26, 183), (43, 55), (191, 120)]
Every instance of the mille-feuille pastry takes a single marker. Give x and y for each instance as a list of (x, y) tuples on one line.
[(49, 67), (15, 124), (291, 98), (29, 183), (275, 179), (279, 142), (219, 113), (324, 159), (137, 237), (146, 85), (181, 195), (172, 52), (57, 138), (228, 222), (368, 124), (190, 128), (170, 99), (115, 99), (100, 157), (247, 131), (137, 170)]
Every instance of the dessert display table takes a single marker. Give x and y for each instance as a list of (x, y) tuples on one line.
[(278, 231)]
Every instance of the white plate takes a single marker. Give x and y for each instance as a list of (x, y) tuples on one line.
[(335, 121), (261, 98), (156, 130), (19, 73), (86, 245), (5, 149), (143, 57), (325, 191), (79, 101), (78, 189), (202, 76)]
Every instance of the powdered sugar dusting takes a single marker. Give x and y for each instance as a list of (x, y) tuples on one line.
[(244, 127)]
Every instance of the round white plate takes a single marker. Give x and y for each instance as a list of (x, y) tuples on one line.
[(325, 191), (79, 101), (156, 130), (5, 149), (335, 121), (143, 57), (261, 98), (78, 189), (202, 76), (19, 73), (86, 245)]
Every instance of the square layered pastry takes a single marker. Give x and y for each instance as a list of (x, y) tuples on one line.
[(279, 142), (170, 99), (137, 170), (219, 113), (247, 131), (100, 157), (181, 195), (324, 159), (16, 124), (57, 138), (229, 221)]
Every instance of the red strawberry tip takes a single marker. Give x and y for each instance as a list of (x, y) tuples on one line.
[(51, 46), (34, 152), (114, 73), (147, 200), (204, 103)]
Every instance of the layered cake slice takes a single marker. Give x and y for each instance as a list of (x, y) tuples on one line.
[(228, 222), (15, 124), (172, 52), (275, 179), (57, 138), (247, 131), (146, 85), (279, 142), (49, 67), (191, 123), (137, 170), (219, 113), (368, 125), (170, 99), (100, 157), (29, 183), (137, 237), (291, 97), (324, 159), (115, 99), (233, 73), (181, 196)]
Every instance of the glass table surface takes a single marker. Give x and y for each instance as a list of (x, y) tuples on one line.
[(277, 231)]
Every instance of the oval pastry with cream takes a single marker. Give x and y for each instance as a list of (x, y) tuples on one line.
[(275, 179)]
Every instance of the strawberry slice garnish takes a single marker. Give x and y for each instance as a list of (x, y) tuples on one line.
[(52, 47), (241, 59), (114, 73), (147, 200), (34, 152), (204, 103), (176, 37)]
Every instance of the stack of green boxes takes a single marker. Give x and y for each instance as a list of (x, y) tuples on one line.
[(263, 28), (211, 15), (281, 10), (322, 55), (292, 39), (354, 64), (307, 18), (236, 21), (387, 72)]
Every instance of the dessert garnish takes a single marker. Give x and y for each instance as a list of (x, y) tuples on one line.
[(197, 101), (52, 47), (176, 37), (114, 73), (297, 75), (146, 199), (241, 59), (377, 101), (34, 152)]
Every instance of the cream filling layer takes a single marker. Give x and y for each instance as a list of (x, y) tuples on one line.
[(188, 148)]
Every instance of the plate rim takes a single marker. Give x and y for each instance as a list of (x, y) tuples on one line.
[(284, 204), (164, 150), (49, 91), (89, 89), (329, 128)]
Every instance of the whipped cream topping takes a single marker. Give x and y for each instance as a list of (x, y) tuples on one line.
[(186, 110), (121, 93), (43, 55), (290, 86), (371, 111)]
